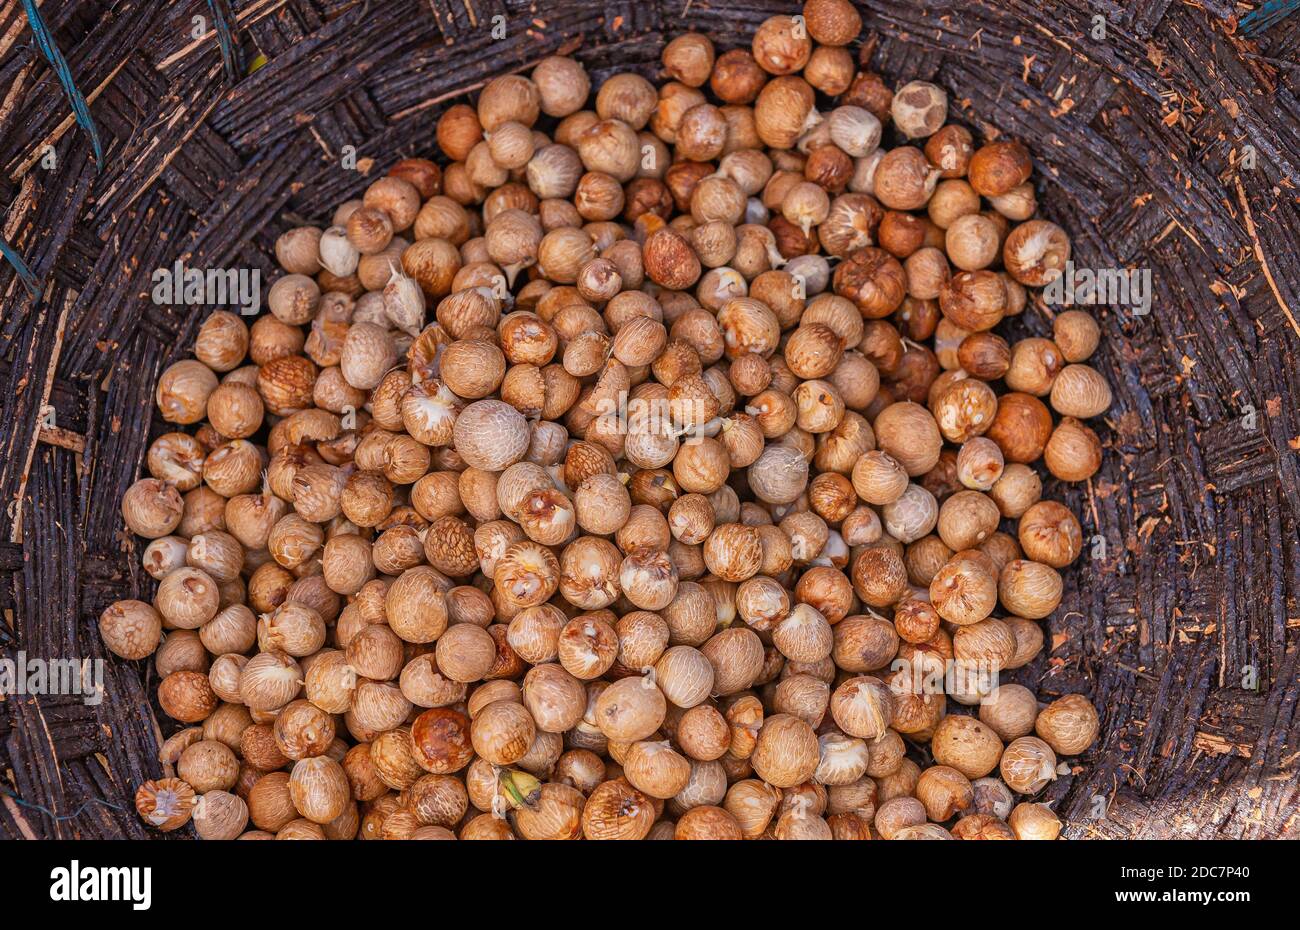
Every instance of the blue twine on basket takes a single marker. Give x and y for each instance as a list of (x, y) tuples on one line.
[(1267, 16), (45, 42), (231, 55), (24, 273), (60, 817)]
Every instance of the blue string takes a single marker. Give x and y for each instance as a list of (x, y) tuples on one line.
[(24, 273), (45, 42), (1268, 16), (231, 55), (49, 813)]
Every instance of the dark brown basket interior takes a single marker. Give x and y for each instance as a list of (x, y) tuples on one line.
[(1139, 140)]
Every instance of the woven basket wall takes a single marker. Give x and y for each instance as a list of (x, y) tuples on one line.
[(1144, 143)]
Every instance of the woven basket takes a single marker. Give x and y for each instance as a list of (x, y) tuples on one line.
[(1166, 136)]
